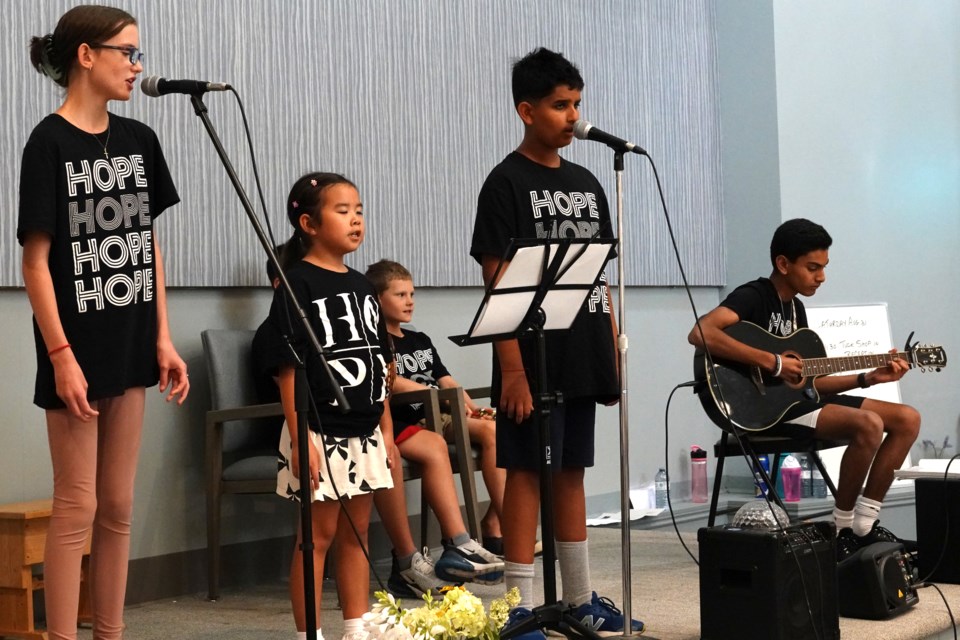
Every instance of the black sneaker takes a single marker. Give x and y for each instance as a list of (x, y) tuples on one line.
[(493, 544), (882, 534), (848, 543)]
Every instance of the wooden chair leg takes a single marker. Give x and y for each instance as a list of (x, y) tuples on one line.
[(465, 464), (213, 545), (214, 467), (424, 514)]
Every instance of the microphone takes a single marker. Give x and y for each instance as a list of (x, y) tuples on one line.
[(156, 86), (586, 131)]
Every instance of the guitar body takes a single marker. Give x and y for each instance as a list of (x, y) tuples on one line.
[(754, 399)]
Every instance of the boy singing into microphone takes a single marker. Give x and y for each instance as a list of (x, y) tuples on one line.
[(534, 193)]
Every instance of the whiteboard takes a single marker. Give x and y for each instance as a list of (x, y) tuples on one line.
[(848, 330)]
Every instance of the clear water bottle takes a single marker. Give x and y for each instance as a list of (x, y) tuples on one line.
[(760, 487), (806, 475), (660, 486), (818, 484)]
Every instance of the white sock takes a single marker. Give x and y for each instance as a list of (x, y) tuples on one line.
[(520, 576), (353, 625), (302, 635), (865, 513), (843, 519), (574, 572)]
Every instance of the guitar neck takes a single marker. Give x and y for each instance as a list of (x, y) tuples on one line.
[(826, 366)]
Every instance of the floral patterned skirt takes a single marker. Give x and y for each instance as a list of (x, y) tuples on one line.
[(348, 466)]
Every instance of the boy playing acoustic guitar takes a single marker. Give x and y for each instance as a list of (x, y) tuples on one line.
[(799, 253)]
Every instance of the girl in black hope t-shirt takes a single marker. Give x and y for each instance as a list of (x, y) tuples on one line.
[(349, 459), (90, 184)]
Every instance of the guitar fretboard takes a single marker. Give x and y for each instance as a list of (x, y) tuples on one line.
[(826, 366)]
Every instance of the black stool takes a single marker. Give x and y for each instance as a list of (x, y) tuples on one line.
[(728, 445)]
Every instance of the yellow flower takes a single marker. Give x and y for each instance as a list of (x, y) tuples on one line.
[(458, 615)]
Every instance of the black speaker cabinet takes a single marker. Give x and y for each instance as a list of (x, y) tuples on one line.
[(934, 497), (758, 583), (875, 582)]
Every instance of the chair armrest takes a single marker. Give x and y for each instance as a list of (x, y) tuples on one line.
[(431, 406), (410, 397), (479, 392), (245, 413)]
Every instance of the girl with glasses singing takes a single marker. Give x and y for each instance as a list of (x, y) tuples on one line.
[(91, 185)]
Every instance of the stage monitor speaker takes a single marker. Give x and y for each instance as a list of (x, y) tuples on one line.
[(938, 499), (876, 582), (762, 583)]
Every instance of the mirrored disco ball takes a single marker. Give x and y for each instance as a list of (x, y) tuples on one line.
[(759, 515)]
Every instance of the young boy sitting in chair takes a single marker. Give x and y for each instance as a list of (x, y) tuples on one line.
[(799, 253), (419, 367)]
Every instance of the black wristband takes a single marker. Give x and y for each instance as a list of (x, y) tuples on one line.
[(862, 380)]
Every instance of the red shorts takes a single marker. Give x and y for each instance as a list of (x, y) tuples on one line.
[(406, 432)]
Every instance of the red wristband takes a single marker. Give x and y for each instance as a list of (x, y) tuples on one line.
[(60, 348)]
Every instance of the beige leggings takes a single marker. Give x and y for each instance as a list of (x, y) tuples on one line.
[(94, 464)]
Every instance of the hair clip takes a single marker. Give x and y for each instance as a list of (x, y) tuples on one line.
[(294, 204), (47, 53), (313, 183)]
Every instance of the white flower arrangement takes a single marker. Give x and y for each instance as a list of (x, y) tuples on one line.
[(459, 615)]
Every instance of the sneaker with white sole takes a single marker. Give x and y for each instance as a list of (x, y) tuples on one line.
[(420, 578), (470, 562), (602, 616)]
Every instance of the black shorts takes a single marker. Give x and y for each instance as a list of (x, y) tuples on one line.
[(800, 419), (571, 438)]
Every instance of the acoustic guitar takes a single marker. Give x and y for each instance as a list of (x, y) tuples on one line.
[(754, 400)]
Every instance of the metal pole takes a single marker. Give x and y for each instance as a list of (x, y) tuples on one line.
[(622, 343)]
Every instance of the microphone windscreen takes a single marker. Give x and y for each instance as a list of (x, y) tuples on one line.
[(581, 128), (150, 85)]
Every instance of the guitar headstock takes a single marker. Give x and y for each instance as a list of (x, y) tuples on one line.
[(928, 356)]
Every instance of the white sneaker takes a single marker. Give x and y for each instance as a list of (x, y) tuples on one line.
[(420, 578), (469, 561)]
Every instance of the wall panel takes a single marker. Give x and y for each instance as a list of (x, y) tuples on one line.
[(411, 99)]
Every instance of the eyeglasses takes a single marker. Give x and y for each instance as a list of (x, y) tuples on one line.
[(135, 55)]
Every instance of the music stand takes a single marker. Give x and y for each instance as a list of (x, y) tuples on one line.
[(542, 288)]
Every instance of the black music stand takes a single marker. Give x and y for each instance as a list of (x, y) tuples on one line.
[(542, 288)]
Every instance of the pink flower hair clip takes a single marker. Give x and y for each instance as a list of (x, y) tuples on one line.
[(294, 204), (313, 183)]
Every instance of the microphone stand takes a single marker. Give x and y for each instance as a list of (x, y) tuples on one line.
[(622, 345), (300, 385)]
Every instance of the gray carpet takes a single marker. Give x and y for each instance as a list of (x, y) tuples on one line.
[(665, 587)]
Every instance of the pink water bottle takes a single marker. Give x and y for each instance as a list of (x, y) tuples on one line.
[(792, 476), (698, 474)]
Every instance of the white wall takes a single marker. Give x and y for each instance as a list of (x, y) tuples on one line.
[(868, 97)]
